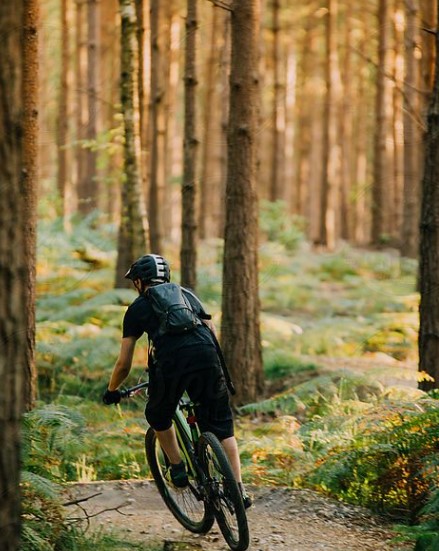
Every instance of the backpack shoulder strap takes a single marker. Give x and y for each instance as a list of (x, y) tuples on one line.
[(201, 313)]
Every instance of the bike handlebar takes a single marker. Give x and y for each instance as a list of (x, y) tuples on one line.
[(128, 392)]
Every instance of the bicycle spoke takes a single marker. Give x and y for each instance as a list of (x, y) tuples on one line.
[(186, 504), (224, 493)]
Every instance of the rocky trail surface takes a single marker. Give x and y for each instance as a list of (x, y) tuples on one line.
[(281, 519)]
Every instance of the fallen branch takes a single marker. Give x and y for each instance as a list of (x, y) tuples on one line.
[(88, 516), (76, 501)]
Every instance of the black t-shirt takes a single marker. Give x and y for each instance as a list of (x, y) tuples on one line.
[(140, 318)]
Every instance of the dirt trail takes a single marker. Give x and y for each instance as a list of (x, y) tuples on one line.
[(280, 520)]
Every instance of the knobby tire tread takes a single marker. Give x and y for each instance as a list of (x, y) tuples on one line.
[(208, 439), (196, 526)]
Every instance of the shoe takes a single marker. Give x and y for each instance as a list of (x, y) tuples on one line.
[(179, 476), (247, 500)]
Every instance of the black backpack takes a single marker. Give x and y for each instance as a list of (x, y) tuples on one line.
[(173, 309)]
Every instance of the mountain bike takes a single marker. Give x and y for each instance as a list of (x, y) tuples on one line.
[(212, 492)]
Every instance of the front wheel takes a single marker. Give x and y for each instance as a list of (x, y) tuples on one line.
[(186, 504), (224, 493)]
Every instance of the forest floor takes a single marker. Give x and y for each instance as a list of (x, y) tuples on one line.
[(281, 519)]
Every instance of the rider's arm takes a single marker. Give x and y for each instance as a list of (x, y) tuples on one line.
[(123, 363)]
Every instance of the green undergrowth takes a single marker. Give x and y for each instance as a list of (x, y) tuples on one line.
[(342, 432), (61, 442)]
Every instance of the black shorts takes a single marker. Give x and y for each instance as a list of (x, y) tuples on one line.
[(197, 371)]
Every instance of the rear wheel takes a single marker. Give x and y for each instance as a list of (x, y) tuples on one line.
[(224, 493), (186, 504)]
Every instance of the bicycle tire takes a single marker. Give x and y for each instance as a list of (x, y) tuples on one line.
[(224, 493), (186, 504)]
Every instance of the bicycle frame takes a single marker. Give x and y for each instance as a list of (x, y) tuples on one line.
[(212, 491), (186, 424)]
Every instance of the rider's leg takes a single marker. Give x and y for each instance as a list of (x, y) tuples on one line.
[(168, 441), (231, 448)]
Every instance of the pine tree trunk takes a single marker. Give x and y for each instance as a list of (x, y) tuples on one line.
[(132, 229), (18, 174), (171, 168), (382, 180), (225, 71), (274, 186), (109, 94), (240, 331), (80, 95), (395, 214), (140, 35), (156, 132), (330, 148), (429, 246), (361, 222), (209, 109), (428, 9), (290, 98), (412, 135), (88, 194), (63, 119), (346, 130), (302, 149), (188, 255)]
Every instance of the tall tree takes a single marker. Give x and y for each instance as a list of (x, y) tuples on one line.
[(382, 178), (429, 245), (188, 255), (63, 119), (397, 82), (303, 134), (88, 193), (275, 176), (155, 207), (132, 229), (80, 96), (18, 173), (330, 147), (210, 115), (412, 134), (240, 330), (345, 128)]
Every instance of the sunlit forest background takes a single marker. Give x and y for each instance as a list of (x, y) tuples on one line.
[(343, 93), (344, 89)]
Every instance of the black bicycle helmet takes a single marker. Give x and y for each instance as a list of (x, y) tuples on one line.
[(150, 268)]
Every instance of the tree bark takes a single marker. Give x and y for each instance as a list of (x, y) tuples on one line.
[(209, 110), (303, 135), (18, 174), (188, 254), (360, 175), (429, 246), (412, 135), (63, 119), (398, 62), (80, 95), (275, 176), (89, 195), (240, 331), (155, 208), (225, 56), (345, 130), (330, 148), (382, 180), (132, 229)]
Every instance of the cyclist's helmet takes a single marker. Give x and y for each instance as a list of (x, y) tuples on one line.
[(150, 268)]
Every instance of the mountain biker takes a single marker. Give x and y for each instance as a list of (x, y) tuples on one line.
[(181, 362)]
